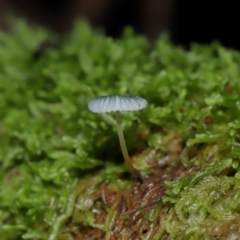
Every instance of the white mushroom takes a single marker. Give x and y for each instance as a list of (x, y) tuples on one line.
[(116, 103)]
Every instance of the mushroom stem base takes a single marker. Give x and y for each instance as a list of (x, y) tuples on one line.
[(127, 159)]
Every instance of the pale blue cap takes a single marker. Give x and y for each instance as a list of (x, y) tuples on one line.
[(115, 103)]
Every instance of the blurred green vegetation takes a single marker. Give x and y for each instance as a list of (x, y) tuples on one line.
[(54, 153)]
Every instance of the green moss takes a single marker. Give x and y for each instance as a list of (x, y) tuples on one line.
[(59, 172)]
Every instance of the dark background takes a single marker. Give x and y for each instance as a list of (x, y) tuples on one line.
[(187, 20)]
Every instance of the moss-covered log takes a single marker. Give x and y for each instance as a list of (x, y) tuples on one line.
[(62, 173)]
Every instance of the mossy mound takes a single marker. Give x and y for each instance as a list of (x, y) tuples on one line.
[(62, 175)]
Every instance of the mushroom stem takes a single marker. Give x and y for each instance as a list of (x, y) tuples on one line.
[(124, 148)]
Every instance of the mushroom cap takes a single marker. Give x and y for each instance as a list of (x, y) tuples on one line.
[(115, 103)]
